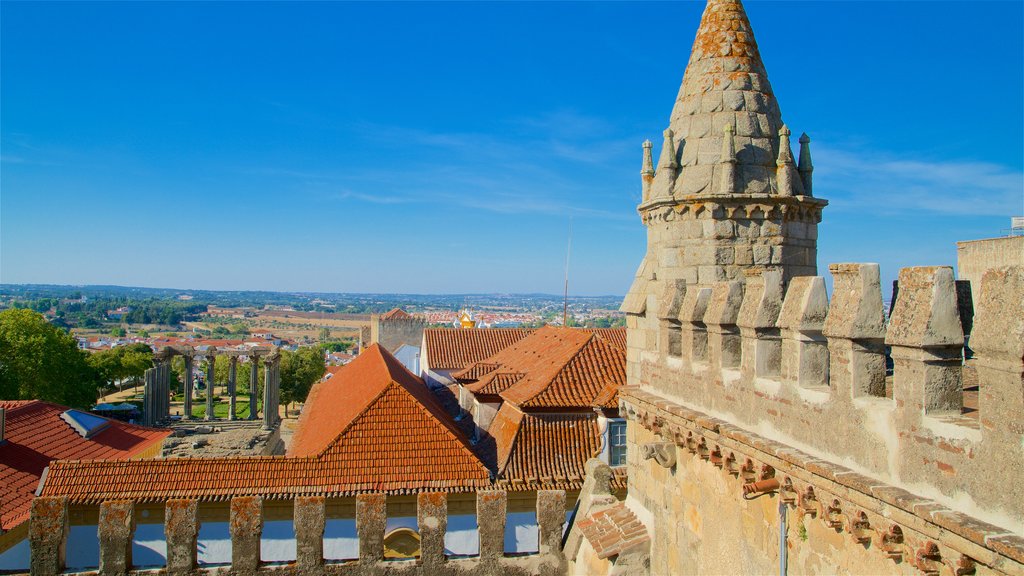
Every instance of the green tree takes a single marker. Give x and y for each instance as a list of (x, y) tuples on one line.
[(325, 334), (143, 333), (117, 332), (122, 363), (299, 371), (40, 361)]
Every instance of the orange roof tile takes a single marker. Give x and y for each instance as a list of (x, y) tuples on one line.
[(372, 426), (494, 383), (396, 314), (36, 435), (535, 450), (614, 530), (560, 368), (456, 348)]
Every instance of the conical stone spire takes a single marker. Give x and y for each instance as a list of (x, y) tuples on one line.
[(725, 83)]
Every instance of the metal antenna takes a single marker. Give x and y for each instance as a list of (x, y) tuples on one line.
[(565, 300)]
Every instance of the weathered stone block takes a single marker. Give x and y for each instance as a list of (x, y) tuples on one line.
[(47, 535), (490, 512), (432, 518), (762, 255), (246, 527), (371, 520), (181, 530), (310, 520), (115, 530)]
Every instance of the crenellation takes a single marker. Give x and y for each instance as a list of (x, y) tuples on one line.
[(48, 535), (432, 520), (805, 354), (246, 528), (491, 506), (115, 531), (757, 321), (181, 531), (724, 343), (310, 521), (371, 520), (855, 329)]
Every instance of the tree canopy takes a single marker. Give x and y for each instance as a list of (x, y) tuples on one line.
[(41, 361), (299, 371)]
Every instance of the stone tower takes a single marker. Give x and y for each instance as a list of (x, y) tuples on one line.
[(726, 193)]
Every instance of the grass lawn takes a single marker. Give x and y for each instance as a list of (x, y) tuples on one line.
[(220, 410)]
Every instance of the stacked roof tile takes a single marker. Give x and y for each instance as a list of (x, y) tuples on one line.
[(372, 426), (613, 531), (456, 348), (537, 450), (555, 368), (36, 435)]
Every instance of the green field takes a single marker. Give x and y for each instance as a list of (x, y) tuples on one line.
[(220, 409)]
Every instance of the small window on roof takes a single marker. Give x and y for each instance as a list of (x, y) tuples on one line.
[(87, 425)]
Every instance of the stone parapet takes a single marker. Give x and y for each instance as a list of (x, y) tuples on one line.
[(829, 392), (892, 521), (49, 528)]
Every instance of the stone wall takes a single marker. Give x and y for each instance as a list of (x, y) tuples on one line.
[(758, 381), (117, 524), (975, 257), (391, 334)]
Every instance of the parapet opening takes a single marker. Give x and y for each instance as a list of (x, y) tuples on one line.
[(700, 342), (277, 541), (213, 542), (674, 336)]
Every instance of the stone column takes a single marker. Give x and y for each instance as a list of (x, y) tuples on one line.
[(232, 385), (211, 360), (254, 381), (268, 393), (187, 385), (149, 395)]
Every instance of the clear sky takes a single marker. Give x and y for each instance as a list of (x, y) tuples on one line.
[(429, 148)]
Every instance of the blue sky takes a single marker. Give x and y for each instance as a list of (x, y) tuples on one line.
[(427, 148)]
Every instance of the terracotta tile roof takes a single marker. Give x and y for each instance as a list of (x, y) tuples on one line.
[(396, 314), (615, 336), (371, 427), (494, 383), (456, 348), (535, 451), (613, 531), (560, 368), (475, 371), (36, 435)]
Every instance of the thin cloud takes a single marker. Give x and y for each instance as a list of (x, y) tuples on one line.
[(855, 181)]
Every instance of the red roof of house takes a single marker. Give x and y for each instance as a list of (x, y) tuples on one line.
[(537, 450), (556, 368), (396, 314), (456, 348), (36, 435), (372, 426)]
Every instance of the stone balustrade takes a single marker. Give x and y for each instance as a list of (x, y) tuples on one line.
[(117, 522)]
